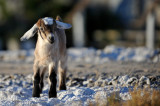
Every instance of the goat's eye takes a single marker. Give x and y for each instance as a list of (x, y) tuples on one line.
[(42, 29)]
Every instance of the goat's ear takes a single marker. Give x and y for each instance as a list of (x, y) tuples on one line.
[(58, 18), (30, 33), (62, 25)]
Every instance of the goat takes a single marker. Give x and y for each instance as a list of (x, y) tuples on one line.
[(50, 53)]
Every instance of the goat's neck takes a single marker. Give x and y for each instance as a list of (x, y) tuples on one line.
[(44, 49)]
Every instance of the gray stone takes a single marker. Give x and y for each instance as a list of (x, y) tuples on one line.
[(143, 81), (98, 83), (132, 81), (123, 79)]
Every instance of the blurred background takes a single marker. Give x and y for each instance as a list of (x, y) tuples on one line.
[(95, 23)]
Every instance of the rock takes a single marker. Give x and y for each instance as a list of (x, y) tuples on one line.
[(6, 77), (79, 80), (102, 77), (72, 83), (16, 76), (123, 79), (92, 79), (115, 78), (152, 78), (98, 83), (8, 82), (132, 81), (69, 83), (110, 83), (154, 81), (3, 95), (90, 85), (144, 80), (114, 83), (105, 83), (85, 83), (90, 82)]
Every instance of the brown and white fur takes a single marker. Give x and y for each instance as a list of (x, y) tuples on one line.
[(50, 54)]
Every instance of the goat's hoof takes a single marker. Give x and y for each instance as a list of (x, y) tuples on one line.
[(62, 88), (36, 91), (35, 95), (53, 95)]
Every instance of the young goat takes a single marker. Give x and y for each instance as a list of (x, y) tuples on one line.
[(50, 53)]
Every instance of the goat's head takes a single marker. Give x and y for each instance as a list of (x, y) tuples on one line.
[(46, 27)]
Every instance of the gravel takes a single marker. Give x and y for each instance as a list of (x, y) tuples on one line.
[(16, 89), (92, 74)]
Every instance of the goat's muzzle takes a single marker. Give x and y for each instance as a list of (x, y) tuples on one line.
[(50, 39)]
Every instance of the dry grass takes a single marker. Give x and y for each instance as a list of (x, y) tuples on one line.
[(113, 101), (143, 97), (140, 97)]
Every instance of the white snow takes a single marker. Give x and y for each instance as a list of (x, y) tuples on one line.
[(110, 53), (19, 92), (17, 95), (89, 55)]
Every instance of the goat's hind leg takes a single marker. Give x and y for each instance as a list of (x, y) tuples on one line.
[(62, 78), (36, 82)]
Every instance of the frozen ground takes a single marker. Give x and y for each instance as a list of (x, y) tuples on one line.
[(91, 73), (19, 96), (17, 90)]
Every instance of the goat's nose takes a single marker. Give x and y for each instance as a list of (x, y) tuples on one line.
[(51, 39)]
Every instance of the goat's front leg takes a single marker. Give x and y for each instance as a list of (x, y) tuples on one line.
[(53, 81), (36, 81)]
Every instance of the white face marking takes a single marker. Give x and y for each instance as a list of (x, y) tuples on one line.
[(48, 21)]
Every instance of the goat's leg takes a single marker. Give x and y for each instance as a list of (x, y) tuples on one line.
[(36, 81), (41, 79), (62, 78), (53, 81)]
